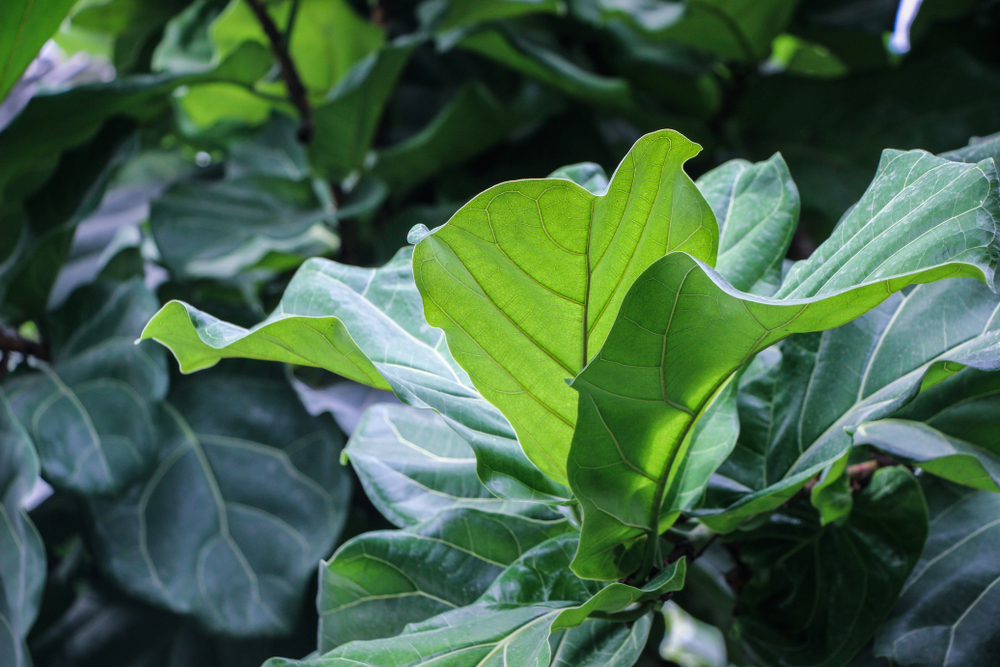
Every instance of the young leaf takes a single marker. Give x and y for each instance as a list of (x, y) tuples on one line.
[(22, 554), (682, 331), (948, 430), (91, 414), (526, 280), (412, 465), (27, 25), (946, 612), (757, 208), (379, 582), (794, 414), (818, 594), (366, 325), (246, 497)]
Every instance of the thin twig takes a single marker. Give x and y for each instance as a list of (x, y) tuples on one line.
[(296, 91)]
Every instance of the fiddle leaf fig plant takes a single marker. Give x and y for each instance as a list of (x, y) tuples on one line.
[(613, 386)]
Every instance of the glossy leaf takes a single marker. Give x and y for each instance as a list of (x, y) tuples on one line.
[(91, 414), (949, 430), (599, 643), (945, 614), (379, 582), (818, 594), (246, 497), (682, 331), (412, 465), (22, 554), (757, 208), (366, 325), (526, 280), (348, 116), (27, 25), (794, 413), (510, 623), (442, 15), (217, 228)]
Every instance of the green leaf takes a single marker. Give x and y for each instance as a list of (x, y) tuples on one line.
[(682, 331), (511, 622), (366, 325), (587, 175), (818, 594), (327, 39), (948, 430), (130, 23), (217, 228), (412, 465), (347, 118), (757, 208), (979, 149), (91, 414), (379, 582), (831, 494), (601, 644), (517, 51), (731, 29), (526, 280), (795, 411), (471, 123), (945, 614), (246, 497), (27, 25), (442, 15), (22, 554)]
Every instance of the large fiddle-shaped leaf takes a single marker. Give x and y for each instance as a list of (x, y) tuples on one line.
[(511, 622), (366, 325), (683, 331), (757, 208), (527, 278), (247, 496), (413, 465), (795, 410), (26, 26), (379, 582), (949, 430), (818, 593), (91, 413), (22, 554), (947, 610)]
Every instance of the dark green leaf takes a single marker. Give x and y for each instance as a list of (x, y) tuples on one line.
[(947, 610), (246, 498), (22, 554), (91, 414), (818, 594), (379, 582), (442, 15)]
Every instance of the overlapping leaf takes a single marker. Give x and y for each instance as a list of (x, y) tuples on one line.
[(22, 554), (682, 332), (367, 325), (26, 26), (412, 465), (511, 622), (246, 497), (947, 609), (526, 280), (818, 593), (794, 412), (91, 414), (379, 582), (949, 430)]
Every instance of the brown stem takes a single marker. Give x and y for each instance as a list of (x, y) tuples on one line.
[(296, 91), (12, 342)]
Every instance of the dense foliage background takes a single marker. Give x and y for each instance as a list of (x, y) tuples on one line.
[(163, 149)]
